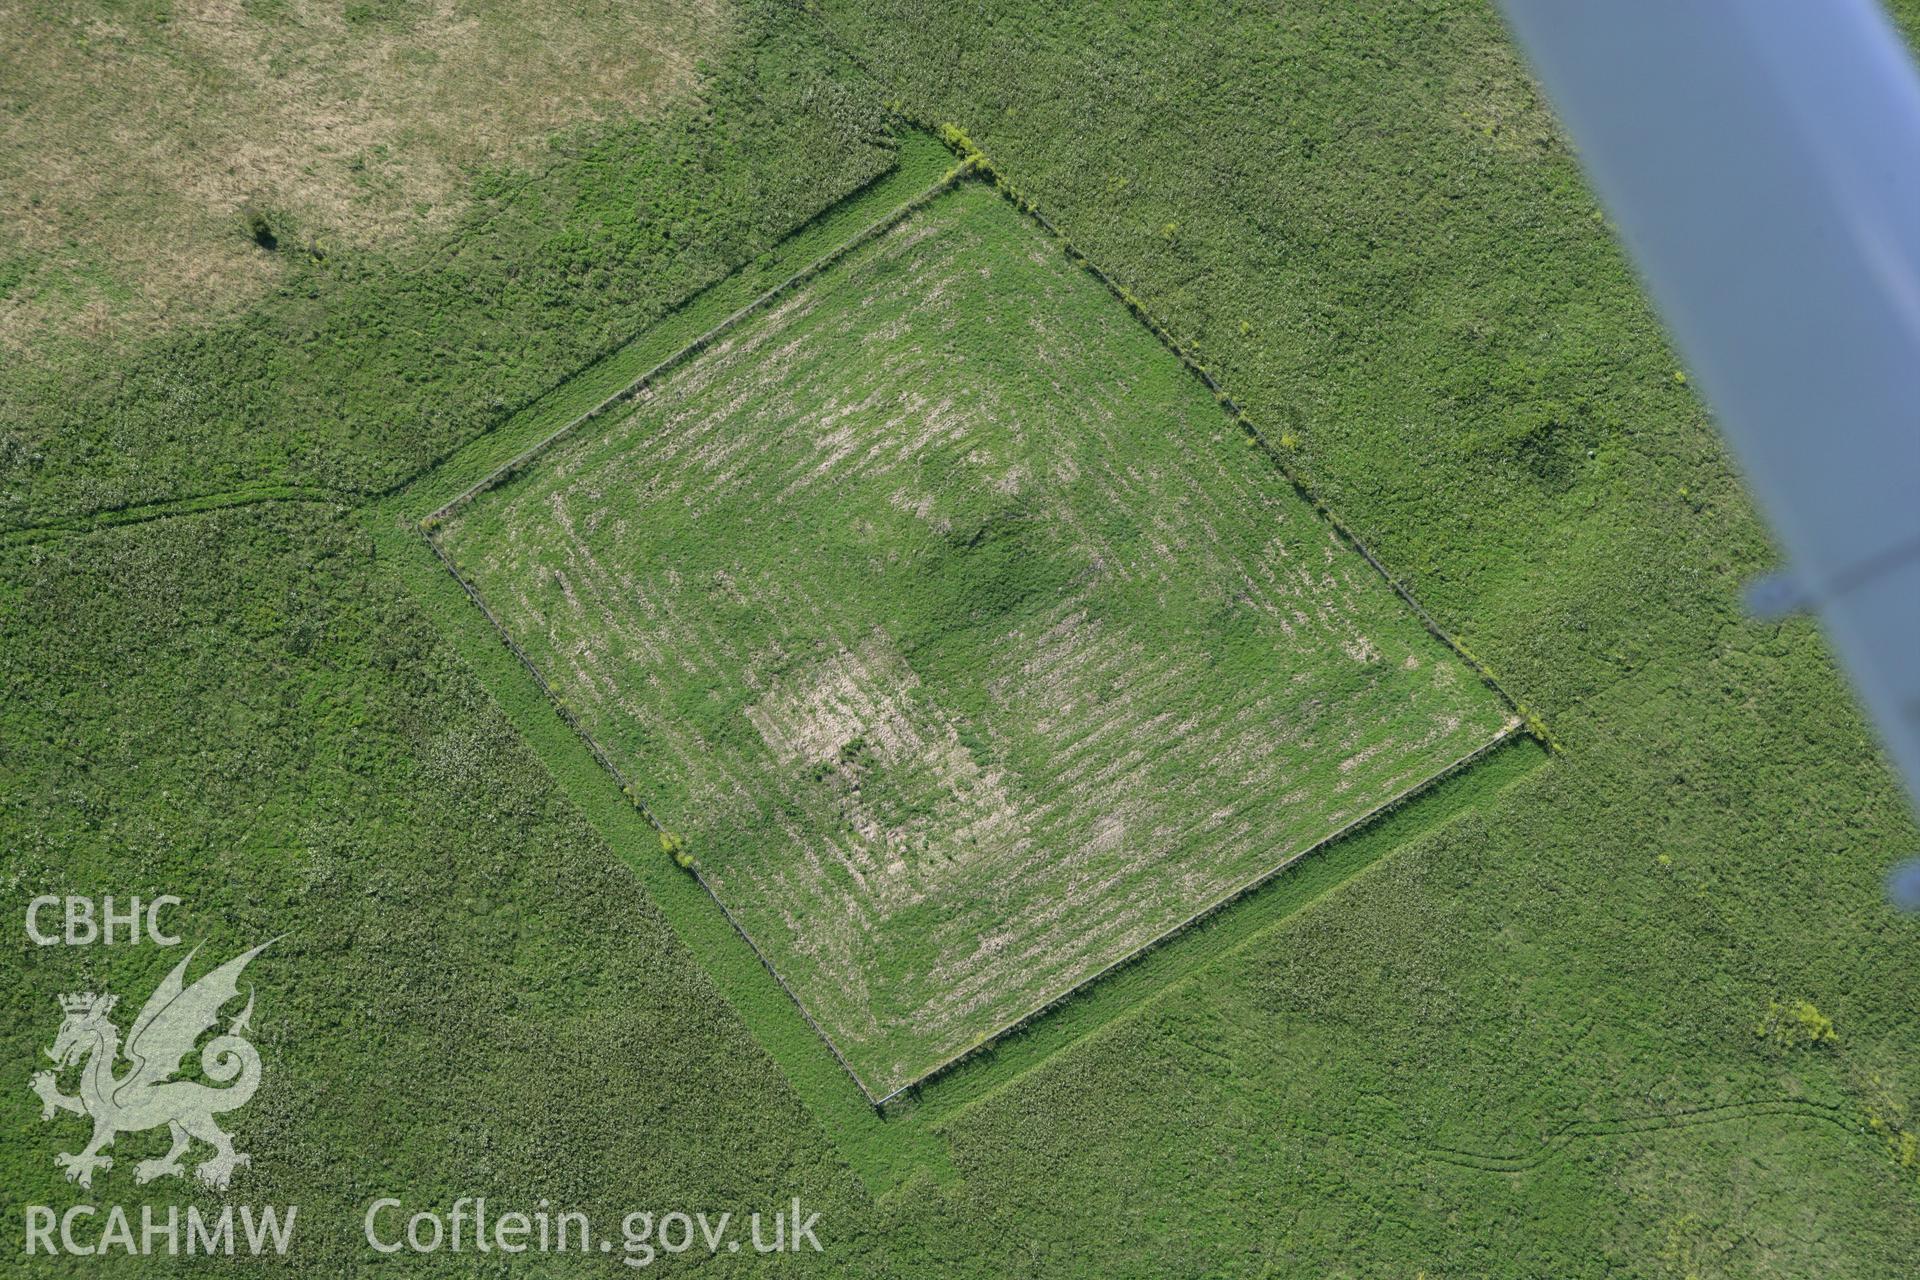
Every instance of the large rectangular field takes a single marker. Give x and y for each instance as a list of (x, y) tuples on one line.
[(960, 634)]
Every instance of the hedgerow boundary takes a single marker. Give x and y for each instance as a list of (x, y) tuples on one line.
[(640, 804), (1212, 909), (520, 462), (978, 161), (517, 465), (971, 164), (169, 508), (920, 160), (974, 160)]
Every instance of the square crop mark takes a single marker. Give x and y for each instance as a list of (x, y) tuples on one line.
[(963, 639)]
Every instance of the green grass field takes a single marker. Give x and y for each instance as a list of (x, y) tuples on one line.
[(961, 636), (1528, 1026)]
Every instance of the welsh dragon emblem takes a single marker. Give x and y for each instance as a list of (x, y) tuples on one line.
[(147, 1094)]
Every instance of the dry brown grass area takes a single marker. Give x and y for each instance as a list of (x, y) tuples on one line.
[(133, 135)]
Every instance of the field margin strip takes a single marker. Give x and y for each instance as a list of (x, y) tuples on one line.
[(1219, 904), (639, 803)]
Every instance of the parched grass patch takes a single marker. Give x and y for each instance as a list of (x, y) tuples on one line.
[(145, 138), (961, 637)]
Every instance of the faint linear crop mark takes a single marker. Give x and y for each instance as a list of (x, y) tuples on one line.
[(1577, 1131), (171, 508)]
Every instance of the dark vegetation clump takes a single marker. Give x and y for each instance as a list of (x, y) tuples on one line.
[(260, 228)]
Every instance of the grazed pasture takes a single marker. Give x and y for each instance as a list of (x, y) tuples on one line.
[(964, 639)]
